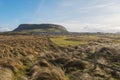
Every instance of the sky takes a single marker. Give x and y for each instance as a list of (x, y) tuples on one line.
[(75, 15)]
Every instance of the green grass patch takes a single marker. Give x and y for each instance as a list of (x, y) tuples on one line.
[(64, 42), (43, 30)]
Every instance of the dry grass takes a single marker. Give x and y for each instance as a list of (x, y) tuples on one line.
[(38, 58), (11, 46), (48, 73)]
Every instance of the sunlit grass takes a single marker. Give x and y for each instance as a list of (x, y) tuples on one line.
[(62, 41)]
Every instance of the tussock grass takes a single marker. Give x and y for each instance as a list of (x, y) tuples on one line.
[(39, 58)]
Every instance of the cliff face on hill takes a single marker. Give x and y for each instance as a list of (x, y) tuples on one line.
[(40, 28)]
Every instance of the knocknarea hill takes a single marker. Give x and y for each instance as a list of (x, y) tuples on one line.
[(40, 28)]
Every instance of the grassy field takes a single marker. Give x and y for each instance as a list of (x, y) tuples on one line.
[(65, 41), (35, 57)]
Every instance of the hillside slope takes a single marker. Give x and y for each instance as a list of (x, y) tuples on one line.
[(40, 28)]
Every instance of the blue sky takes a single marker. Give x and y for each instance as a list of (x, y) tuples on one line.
[(75, 15)]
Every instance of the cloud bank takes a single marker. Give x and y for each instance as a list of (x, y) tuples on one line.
[(77, 15)]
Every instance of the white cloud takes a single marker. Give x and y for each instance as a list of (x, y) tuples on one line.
[(2, 29), (88, 27), (39, 8), (79, 15), (93, 17)]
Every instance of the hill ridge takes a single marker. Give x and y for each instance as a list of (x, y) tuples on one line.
[(41, 28)]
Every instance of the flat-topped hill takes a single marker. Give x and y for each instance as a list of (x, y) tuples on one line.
[(40, 28)]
